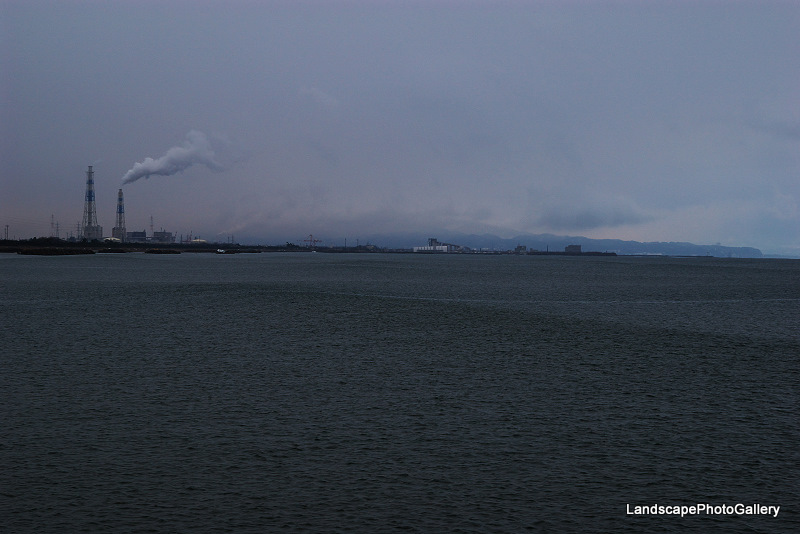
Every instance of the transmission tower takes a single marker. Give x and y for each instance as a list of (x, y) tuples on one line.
[(91, 230)]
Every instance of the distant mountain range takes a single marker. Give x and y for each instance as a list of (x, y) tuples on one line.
[(557, 243)]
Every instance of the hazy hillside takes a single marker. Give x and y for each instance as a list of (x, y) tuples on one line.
[(557, 243)]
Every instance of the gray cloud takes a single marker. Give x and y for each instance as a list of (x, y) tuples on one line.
[(621, 120), (784, 129), (320, 97), (581, 217)]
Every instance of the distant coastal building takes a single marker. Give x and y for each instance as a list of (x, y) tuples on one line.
[(163, 237), (572, 249), (157, 237), (136, 237), (434, 245)]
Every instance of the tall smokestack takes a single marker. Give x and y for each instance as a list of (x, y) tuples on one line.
[(90, 229), (119, 231)]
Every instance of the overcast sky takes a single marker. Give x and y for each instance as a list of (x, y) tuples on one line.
[(653, 121)]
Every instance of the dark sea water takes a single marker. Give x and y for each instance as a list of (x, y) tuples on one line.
[(386, 393)]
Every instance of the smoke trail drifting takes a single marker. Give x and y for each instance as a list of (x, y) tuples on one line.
[(196, 149)]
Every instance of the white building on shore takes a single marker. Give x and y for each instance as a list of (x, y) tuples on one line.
[(434, 245)]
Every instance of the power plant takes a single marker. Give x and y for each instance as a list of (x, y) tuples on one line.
[(90, 230)]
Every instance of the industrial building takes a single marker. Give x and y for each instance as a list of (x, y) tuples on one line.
[(136, 237), (156, 237), (434, 245), (163, 237)]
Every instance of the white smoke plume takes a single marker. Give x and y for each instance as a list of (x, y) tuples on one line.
[(196, 149)]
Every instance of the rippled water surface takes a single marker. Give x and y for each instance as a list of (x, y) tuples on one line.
[(384, 393)]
